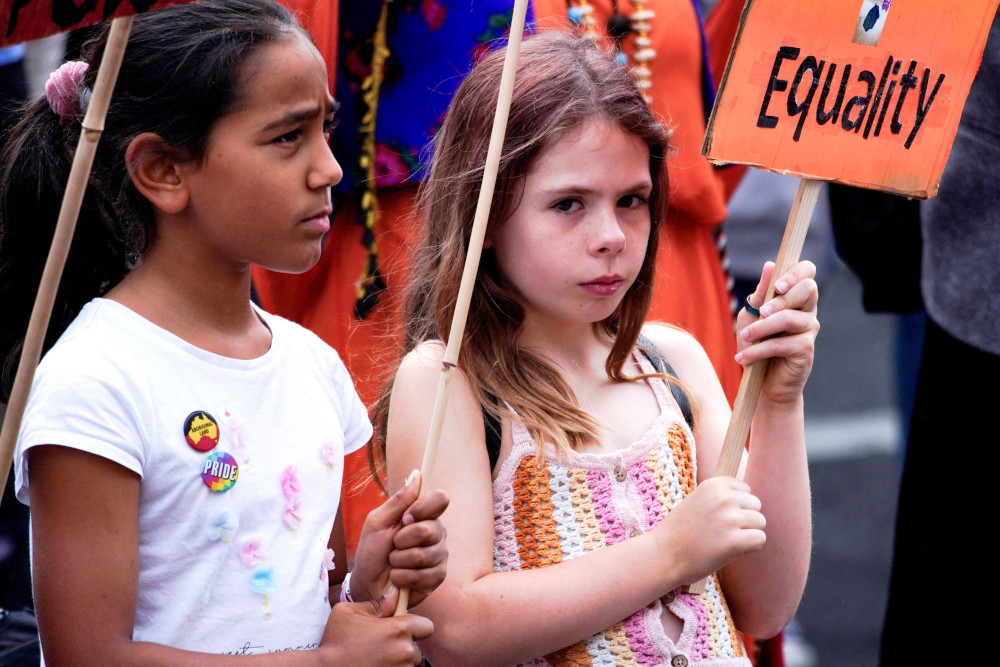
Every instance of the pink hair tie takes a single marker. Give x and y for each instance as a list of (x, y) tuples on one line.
[(62, 90)]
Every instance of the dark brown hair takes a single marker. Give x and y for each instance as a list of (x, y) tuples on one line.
[(180, 73)]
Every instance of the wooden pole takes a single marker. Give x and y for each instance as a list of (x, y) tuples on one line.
[(753, 377), (83, 160), (477, 235)]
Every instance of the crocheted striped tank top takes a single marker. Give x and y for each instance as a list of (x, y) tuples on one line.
[(577, 504)]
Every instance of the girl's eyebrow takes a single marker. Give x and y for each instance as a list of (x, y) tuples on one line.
[(297, 116), (571, 189), (293, 118)]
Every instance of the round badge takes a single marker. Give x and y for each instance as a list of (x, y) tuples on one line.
[(201, 431), (219, 471)]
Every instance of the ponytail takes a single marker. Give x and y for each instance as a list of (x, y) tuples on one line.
[(34, 169)]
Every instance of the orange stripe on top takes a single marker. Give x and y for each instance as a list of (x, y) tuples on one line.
[(539, 545), (683, 457), (570, 656)]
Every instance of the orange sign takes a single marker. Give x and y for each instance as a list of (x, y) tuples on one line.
[(24, 20), (862, 92)]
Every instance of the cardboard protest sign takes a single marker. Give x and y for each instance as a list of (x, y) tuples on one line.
[(24, 20), (862, 92)]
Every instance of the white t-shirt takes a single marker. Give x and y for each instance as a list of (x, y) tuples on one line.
[(239, 569)]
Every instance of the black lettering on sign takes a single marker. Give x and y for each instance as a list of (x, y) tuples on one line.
[(868, 106), (822, 116), (802, 109), (138, 6), (906, 82), (15, 8), (775, 84), (861, 102), (922, 109), (66, 14)]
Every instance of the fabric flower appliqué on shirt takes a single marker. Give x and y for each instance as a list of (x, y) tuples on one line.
[(330, 454), (221, 526), (292, 516), (328, 564), (252, 553), (292, 489), (290, 485), (262, 582), (234, 432), (324, 569)]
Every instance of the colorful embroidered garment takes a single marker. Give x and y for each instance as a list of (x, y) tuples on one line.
[(431, 46), (573, 506)]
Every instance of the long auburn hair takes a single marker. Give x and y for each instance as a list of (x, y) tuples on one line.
[(562, 82)]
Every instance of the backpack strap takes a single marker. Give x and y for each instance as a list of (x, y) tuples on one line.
[(660, 363), (491, 423)]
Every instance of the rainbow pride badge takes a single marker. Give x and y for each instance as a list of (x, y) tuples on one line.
[(219, 471)]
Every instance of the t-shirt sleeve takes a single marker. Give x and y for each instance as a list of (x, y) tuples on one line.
[(83, 403), (310, 348), (354, 416)]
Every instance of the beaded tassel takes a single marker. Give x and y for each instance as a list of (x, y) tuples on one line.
[(582, 14), (371, 282), (644, 53)]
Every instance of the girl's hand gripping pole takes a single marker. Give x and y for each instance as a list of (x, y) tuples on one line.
[(753, 377)]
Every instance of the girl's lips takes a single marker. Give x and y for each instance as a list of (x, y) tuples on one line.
[(603, 286), (320, 223)]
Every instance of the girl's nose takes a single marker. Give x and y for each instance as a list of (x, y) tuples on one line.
[(326, 171), (608, 236)]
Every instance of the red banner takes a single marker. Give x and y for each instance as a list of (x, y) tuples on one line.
[(25, 20)]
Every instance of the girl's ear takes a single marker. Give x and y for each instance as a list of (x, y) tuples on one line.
[(155, 170)]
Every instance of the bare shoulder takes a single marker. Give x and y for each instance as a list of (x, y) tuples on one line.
[(686, 355), (418, 376), (412, 409), (680, 348), (426, 356)]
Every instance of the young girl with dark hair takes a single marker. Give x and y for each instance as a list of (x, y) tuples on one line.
[(582, 502), (182, 450)]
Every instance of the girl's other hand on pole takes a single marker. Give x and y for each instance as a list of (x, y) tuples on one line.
[(402, 545), (367, 633), (785, 332)]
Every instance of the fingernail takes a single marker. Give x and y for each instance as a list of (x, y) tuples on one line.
[(745, 334), (411, 478), (408, 519), (766, 310), (739, 357), (781, 286)]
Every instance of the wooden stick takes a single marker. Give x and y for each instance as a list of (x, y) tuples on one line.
[(753, 377), (83, 160), (477, 235)]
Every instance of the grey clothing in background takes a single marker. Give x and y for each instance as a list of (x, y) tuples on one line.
[(961, 225)]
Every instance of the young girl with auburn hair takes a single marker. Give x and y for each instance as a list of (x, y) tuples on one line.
[(182, 450), (573, 534)]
